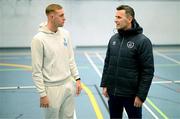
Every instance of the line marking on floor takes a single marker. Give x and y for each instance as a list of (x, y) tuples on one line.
[(168, 51), (177, 81), (16, 65), (93, 101), (12, 69), (17, 87), (15, 54), (22, 69), (87, 90), (101, 96), (154, 115), (75, 117), (166, 57), (162, 82), (166, 65), (156, 108), (92, 63)]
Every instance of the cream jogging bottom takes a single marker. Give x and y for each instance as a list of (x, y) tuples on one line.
[(61, 101)]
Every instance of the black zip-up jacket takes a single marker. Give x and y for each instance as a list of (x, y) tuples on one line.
[(129, 65)]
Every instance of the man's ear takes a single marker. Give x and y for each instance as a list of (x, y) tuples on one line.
[(130, 18), (51, 16)]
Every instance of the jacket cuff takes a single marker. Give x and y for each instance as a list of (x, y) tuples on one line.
[(143, 98)]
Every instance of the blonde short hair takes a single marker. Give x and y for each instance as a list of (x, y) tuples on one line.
[(52, 7)]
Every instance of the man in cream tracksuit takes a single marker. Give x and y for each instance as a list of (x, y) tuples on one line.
[(54, 67)]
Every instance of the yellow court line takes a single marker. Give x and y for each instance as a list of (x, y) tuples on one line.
[(93, 101), (86, 89), (16, 65), (157, 109)]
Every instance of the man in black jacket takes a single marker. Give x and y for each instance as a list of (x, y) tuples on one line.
[(129, 66)]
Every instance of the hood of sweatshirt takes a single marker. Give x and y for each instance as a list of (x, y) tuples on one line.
[(136, 29), (43, 28)]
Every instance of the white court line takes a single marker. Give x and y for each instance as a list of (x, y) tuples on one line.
[(17, 87), (176, 81), (166, 57), (144, 104), (153, 114), (92, 63), (102, 60), (161, 82), (167, 82), (75, 117), (27, 87)]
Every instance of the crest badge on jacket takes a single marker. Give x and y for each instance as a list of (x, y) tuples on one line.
[(130, 44)]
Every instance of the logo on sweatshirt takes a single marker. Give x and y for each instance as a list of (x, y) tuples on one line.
[(65, 42), (130, 44)]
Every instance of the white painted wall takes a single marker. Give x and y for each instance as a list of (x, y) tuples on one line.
[(90, 22)]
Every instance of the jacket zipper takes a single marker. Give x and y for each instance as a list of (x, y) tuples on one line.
[(118, 63)]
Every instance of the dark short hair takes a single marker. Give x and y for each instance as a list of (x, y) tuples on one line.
[(52, 7), (129, 10)]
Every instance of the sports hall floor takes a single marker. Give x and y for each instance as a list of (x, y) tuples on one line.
[(19, 99)]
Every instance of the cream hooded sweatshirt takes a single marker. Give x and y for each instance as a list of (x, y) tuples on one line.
[(52, 58)]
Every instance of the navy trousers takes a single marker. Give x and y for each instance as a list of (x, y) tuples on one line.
[(117, 104)]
